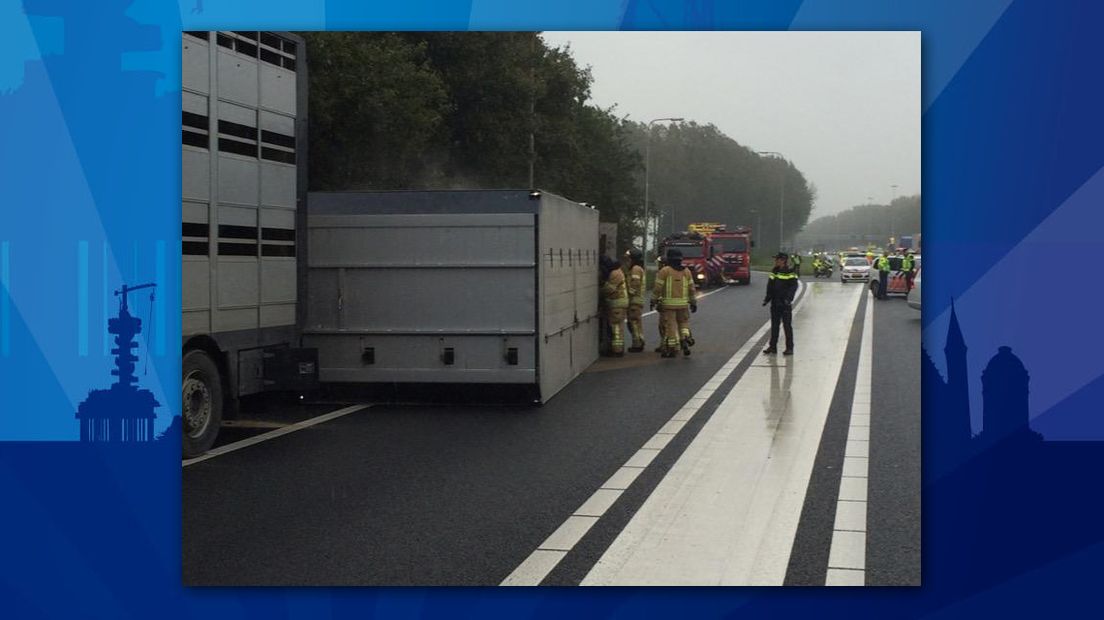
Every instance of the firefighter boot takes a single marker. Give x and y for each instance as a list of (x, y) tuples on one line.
[(685, 346)]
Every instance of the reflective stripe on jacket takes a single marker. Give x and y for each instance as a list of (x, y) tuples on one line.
[(673, 288)]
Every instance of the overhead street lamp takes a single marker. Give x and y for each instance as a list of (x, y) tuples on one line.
[(647, 164), (782, 194), (892, 222)]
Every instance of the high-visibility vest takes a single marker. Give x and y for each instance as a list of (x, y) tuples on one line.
[(674, 295), (906, 263), (883, 264)]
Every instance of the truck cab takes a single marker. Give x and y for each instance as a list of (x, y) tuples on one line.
[(698, 256), (733, 248)]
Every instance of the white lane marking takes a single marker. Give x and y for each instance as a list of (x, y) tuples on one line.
[(845, 577), (534, 568), (727, 511), (540, 563), (622, 478), (598, 503), (298, 426), (569, 532), (847, 552)]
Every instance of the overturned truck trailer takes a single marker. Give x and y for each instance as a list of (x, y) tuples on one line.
[(483, 287)]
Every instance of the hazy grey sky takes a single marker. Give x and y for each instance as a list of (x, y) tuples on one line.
[(843, 106)]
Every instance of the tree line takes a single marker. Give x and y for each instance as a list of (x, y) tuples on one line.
[(863, 224), (480, 110)]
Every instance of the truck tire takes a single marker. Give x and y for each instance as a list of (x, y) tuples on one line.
[(201, 402)]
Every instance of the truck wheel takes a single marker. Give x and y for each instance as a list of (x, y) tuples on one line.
[(201, 402)]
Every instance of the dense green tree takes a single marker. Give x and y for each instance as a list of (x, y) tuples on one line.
[(700, 174), (864, 224), (423, 110), (376, 110)]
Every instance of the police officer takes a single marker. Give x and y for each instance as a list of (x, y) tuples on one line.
[(796, 259), (907, 266), (634, 261), (781, 289), (616, 295), (882, 265), (675, 295)]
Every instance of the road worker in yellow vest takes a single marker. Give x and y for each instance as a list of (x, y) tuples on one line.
[(676, 298), (634, 263), (615, 291)]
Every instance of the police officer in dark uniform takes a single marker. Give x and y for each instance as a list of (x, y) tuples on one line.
[(781, 289)]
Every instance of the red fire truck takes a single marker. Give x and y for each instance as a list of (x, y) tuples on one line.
[(697, 250), (732, 253)]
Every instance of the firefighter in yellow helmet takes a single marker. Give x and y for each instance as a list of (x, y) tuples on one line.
[(634, 261), (616, 295), (674, 289)]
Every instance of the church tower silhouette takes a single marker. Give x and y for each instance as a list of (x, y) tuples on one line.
[(958, 381)]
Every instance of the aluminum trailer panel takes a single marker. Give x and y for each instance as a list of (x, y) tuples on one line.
[(452, 287), (243, 177)]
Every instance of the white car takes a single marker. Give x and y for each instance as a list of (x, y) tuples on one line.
[(914, 294), (853, 269)]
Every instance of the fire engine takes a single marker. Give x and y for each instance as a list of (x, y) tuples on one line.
[(731, 251), (697, 250)]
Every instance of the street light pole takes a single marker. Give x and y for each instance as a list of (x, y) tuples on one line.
[(647, 179), (892, 222), (758, 234), (782, 193)]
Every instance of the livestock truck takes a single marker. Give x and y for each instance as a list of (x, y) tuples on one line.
[(282, 290)]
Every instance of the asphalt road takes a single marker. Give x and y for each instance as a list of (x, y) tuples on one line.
[(893, 539), (461, 495)]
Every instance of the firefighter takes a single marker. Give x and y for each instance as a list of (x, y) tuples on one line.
[(781, 289), (796, 263), (634, 261), (661, 262), (604, 269), (882, 265), (617, 302), (907, 267), (674, 294)]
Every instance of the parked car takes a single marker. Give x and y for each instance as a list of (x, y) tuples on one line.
[(914, 294), (854, 268)]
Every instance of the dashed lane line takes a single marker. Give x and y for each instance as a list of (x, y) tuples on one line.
[(847, 555)]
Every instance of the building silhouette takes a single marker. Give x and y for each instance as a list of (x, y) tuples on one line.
[(1004, 389), (122, 413)]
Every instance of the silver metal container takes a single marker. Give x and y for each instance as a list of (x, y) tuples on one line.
[(486, 287)]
